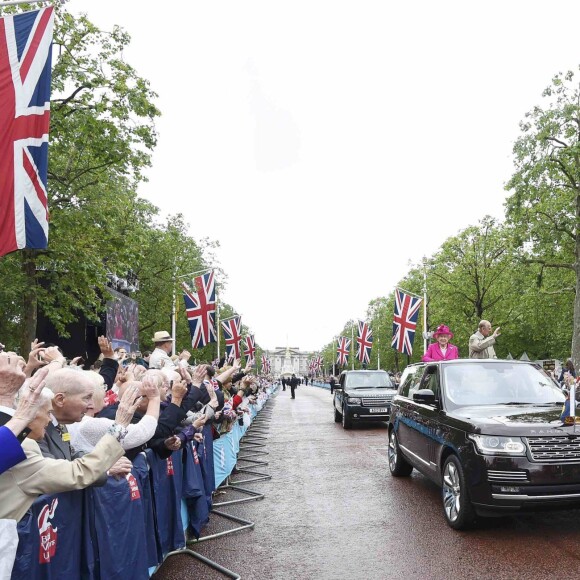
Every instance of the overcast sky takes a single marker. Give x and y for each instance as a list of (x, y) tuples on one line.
[(335, 141)]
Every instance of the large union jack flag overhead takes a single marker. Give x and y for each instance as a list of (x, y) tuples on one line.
[(364, 342), (342, 350), (200, 307), (25, 71), (250, 351), (232, 328), (405, 321)]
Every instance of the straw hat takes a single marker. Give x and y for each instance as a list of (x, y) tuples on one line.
[(162, 336)]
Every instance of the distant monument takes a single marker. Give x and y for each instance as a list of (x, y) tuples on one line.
[(287, 367), (288, 360)]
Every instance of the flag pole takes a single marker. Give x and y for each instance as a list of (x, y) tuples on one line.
[(217, 324), (334, 357), (16, 2), (378, 351), (572, 396), (195, 273), (173, 317), (352, 344), (425, 328)]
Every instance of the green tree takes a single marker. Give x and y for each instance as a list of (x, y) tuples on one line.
[(544, 205), (475, 276), (102, 133)]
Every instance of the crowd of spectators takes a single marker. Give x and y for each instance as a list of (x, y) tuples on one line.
[(65, 428)]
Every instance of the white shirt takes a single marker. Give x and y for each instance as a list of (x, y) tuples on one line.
[(159, 355), (85, 434)]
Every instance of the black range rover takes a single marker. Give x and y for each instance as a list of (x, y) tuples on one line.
[(363, 396), (489, 433)]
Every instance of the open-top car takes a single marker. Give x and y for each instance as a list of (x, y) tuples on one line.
[(363, 396), (489, 432)]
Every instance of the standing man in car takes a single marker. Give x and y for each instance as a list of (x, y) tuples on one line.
[(481, 343)]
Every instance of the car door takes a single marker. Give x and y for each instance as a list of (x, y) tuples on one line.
[(339, 393), (410, 383), (423, 439)]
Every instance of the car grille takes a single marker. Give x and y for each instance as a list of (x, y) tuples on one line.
[(377, 401), (507, 476), (551, 448)]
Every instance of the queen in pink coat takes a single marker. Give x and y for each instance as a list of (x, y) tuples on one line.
[(442, 349)]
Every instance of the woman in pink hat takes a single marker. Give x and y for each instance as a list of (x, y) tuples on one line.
[(442, 349)]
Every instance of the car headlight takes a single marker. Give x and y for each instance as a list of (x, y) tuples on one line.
[(495, 445), (353, 401)]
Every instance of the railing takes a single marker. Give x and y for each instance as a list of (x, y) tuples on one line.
[(126, 528)]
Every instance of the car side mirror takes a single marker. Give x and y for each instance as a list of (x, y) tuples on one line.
[(337, 387), (425, 396)]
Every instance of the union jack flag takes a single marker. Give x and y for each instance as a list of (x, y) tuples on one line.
[(250, 351), (343, 350), (233, 334), (265, 365), (405, 321), (317, 363), (25, 72), (364, 342), (200, 307)]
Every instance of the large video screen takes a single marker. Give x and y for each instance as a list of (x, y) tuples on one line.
[(123, 321)]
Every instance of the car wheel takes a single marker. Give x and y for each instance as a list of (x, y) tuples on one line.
[(457, 507), (398, 466), (337, 416), (346, 420)]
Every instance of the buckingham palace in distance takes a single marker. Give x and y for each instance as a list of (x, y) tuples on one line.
[(288, 360)]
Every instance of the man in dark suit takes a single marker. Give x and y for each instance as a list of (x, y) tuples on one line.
[(294, 382)]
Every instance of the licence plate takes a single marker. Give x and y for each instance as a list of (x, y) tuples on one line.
[(379, 410)]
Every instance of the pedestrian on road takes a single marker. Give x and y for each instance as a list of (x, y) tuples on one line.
[(481, 343), (294, 382), (306, 381), (283, 384), (332, 382), (442, 349)]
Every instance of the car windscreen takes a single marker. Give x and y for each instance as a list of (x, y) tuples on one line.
[(498, 383), (368, 380)]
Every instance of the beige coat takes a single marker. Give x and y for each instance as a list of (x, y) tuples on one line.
[(37, 475), (481, 347)]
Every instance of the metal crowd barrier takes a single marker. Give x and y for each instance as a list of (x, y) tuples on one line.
[(251, 442)]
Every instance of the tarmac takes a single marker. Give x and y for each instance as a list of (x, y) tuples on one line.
[(332, 510)]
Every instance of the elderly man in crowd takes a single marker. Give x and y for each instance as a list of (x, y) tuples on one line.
[(33, 475), (160, 356), (86, 434), (38, 475), (73, 398)]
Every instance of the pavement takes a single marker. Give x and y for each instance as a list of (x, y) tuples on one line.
[(332, 510)]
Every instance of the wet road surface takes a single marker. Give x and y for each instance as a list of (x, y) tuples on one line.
[(333, 511)]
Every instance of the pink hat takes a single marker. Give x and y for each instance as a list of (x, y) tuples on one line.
[(442, 329)]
